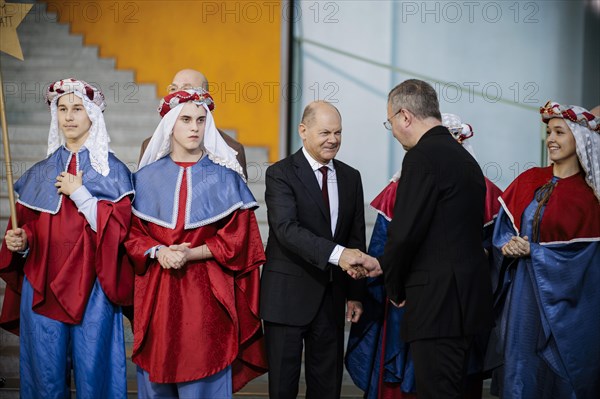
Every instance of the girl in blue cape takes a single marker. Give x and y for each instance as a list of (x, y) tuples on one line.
[(549, 225)]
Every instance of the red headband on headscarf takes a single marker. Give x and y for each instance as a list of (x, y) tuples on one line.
[(572, 113), (70, 85), (197, 96)]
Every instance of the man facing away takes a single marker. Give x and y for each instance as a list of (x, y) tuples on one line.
[(433, 261), (315, 211), (189, 79)]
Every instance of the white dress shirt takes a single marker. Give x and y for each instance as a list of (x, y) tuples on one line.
[(334, 201)]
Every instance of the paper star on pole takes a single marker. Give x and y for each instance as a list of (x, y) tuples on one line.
[(11, 16)]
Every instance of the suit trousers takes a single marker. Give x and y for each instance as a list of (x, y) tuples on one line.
[(323, 341), (441, 366)]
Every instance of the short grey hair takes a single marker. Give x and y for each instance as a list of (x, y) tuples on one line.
[(310, 111), (416, 96)]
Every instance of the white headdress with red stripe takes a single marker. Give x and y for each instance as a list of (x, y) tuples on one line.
[(94, 104)]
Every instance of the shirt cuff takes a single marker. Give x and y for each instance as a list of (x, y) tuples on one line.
[(152, 252), (80, 195), (334, 258)]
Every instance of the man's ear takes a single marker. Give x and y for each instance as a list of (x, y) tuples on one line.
[(408, 118), (302, 131)]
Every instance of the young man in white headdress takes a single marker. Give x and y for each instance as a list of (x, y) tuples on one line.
[(190, 79), (63, 269), (196, 250)]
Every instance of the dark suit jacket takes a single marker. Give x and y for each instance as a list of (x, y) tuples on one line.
[(434, 255), (300, 242), (237, 146)]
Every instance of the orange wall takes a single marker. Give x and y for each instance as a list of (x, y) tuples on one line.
[(236, 44)]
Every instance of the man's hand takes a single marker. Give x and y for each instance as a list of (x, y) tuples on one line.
[(517, 247), (398, 305), (372, 266), (357, 272), (368, 267), (68, 183), (353, 311), (350, 261), (359, 265), (16, 240), (350, 258)]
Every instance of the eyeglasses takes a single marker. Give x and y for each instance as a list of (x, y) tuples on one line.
[(388, 124)]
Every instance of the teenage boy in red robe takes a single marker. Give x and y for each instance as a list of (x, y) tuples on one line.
[(65, 282), (196, 250)]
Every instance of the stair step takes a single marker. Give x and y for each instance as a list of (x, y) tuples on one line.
[(39, 21), (113, 120), (52, 65), (37, 135), (62, 55), (120, 98), (45, 40), (102, 69), (122, 90)]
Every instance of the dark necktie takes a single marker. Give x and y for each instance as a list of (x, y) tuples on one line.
[(325, 193), (324, 189)]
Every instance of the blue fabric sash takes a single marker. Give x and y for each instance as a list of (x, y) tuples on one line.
[(36, 188), (214, 192)]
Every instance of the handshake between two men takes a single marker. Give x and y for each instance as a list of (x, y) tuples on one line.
[(358, 264)]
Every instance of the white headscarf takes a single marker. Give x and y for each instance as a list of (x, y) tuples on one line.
[(98, 138), (216, 148), (460, 131), (586, 130), (587, 146)]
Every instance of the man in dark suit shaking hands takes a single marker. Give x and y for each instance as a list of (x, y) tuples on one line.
[(434, 261), (316, 217)]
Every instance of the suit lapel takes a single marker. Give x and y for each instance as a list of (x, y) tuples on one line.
[(307, 176)]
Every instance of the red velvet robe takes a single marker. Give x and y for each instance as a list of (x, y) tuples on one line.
[(193, 322), (65, 258), (572, 209)]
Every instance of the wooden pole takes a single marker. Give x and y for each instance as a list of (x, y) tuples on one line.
[(7, 159)]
